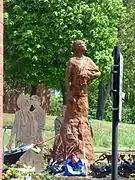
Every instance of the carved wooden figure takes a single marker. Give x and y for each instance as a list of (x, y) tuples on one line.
[(75, 131)]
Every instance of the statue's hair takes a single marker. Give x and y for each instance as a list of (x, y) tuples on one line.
[(23, 101), (76, 43)]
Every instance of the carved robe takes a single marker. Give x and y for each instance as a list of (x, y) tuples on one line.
[(75, 131)]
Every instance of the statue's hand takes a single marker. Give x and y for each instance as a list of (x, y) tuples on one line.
[(71, 99), (9, 146)]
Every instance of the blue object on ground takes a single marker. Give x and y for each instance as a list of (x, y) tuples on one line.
[(77, 169)]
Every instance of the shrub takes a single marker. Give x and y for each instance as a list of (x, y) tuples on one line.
[(55, 105), (128, 114)]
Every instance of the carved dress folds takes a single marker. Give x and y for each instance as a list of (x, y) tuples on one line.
[(75, 131)]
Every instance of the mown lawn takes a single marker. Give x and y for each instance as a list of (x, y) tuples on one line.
[(102, 133)]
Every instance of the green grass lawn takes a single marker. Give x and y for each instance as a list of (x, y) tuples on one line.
[(102, 133)]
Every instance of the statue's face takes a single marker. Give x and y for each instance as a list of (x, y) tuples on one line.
[(80, 46)]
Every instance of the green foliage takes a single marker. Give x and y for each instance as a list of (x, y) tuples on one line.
[(12, 172), (92, 94), (39, 34), (55, 105), (127, 41), (108, 110), (128, 114)]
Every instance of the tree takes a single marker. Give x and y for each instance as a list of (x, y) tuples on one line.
[(39, 34), (127, 41)]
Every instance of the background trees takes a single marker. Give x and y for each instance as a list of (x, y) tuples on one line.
[(39, 34), (127, 41)]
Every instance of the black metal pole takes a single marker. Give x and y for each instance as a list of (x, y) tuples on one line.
[(115, 111)]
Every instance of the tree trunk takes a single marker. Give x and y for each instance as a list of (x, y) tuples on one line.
[(63, 91), (33, 89), (102, 98)]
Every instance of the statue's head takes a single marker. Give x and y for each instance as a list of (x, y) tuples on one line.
[(23, 101), (79, 46), (35, 101)]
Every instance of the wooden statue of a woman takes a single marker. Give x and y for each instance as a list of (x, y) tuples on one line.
[(75, 132)]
